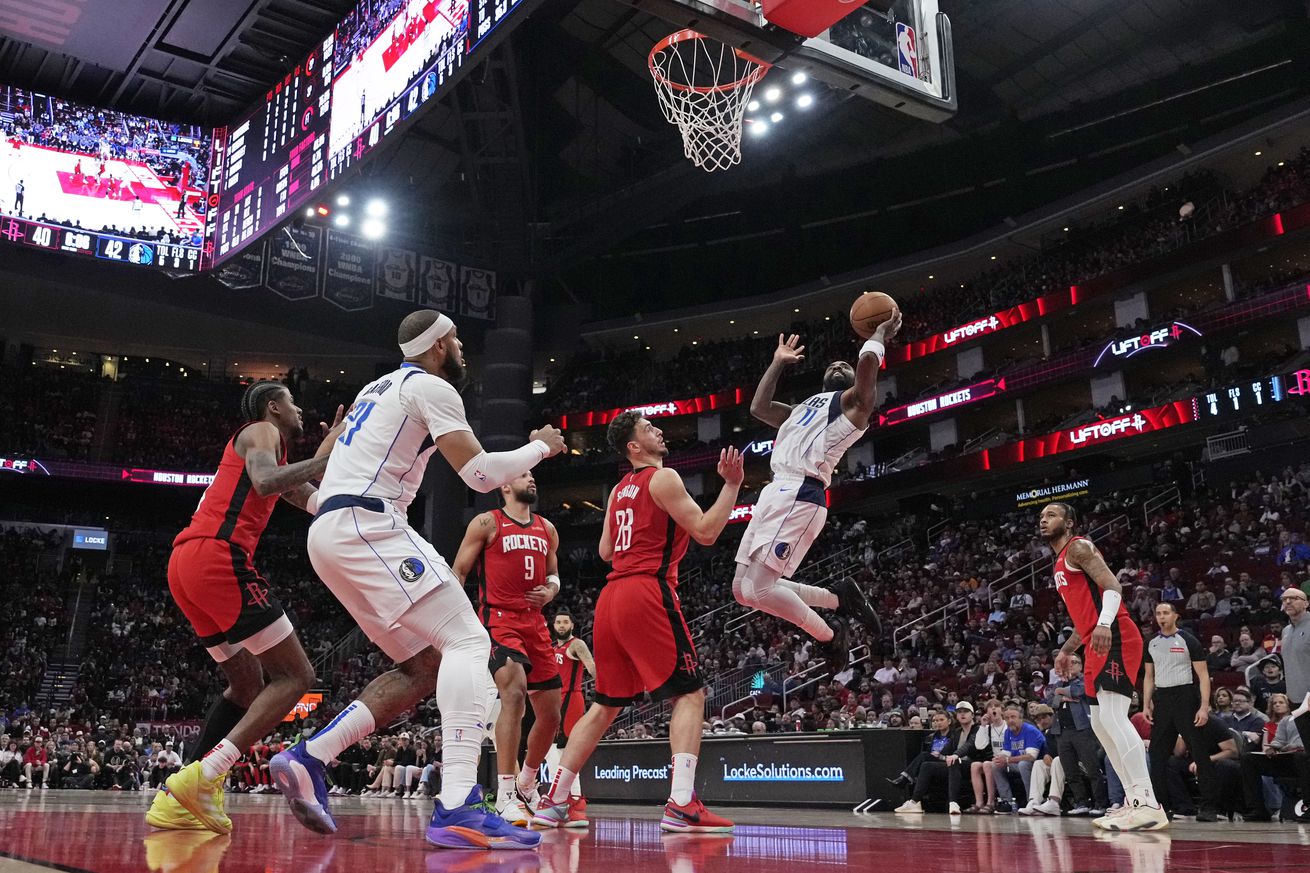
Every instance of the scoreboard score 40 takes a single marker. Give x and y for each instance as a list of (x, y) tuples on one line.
[(105, 246)]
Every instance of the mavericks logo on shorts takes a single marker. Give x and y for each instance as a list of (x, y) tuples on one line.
[(411, 569), (782, 550)]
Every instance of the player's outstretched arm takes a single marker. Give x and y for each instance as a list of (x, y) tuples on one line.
[(485, 471), (476, 537), (670, 495), (1082, 555), (763, 406), (858, 402), (259, 446)]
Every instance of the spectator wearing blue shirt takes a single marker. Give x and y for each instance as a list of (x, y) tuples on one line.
[(1021, 745), (1293, 551)]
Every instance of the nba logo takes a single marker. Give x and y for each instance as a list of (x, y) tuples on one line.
[(907, 49)]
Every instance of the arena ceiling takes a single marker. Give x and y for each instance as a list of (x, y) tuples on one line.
[(551, 159)]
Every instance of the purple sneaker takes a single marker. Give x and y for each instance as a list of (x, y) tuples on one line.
[(300, 778), (471, 827)]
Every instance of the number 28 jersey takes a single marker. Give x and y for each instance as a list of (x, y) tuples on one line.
[(646, 540), (513, 563)]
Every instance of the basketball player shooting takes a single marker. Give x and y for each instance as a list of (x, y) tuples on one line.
[(513, 553), (792, 509), (400, 590), (1094, 599)]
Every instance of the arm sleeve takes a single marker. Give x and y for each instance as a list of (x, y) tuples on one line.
[(1195, 651), (435, 402)]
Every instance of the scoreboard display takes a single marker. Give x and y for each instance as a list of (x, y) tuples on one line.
[(142, 253), (383, 61)]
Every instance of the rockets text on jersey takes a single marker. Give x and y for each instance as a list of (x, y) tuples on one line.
[(514, 561)]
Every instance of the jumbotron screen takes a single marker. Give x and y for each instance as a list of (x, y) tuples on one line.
[(384, 60), (96, 182)]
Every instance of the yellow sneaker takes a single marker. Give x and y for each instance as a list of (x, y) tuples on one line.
[(169, 815), (185, 852), (202, 797)]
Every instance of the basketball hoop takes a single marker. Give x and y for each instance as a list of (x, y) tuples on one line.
[(703, 86)]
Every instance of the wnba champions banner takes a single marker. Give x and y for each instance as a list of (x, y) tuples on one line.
[(291, 262), (396, 274), (348, 276)]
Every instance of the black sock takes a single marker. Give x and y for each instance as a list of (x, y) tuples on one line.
[(222, 717)]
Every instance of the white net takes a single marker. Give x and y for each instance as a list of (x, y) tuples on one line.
[(703, 87)]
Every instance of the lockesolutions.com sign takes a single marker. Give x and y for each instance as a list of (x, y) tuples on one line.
[(777, 769)]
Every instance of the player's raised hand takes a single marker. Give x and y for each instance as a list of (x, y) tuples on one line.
[(552, 436), (730, 466), (888, 328), (331, 433), (788, 350)]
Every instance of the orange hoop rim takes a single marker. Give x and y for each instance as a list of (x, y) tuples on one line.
[(751, 78)]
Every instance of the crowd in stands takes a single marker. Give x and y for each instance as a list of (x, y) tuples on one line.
[(32, 623), (601, 378), (47, 413)]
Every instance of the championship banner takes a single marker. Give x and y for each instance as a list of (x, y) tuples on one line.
[(437, 283), (291, 262), (397, 274), (348, 271), (477, 293), (246, 270)]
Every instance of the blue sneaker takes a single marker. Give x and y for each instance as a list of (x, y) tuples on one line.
[(300, 778), (471, 827)]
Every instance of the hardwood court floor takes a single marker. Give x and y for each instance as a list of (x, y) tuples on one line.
[(102, 832)]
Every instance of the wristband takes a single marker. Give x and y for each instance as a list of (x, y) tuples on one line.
[(874, 347), (552, 579), (1110, 601), (311, 504)]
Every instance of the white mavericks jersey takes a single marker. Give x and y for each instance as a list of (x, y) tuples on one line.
[(813, 439), (389, 436)]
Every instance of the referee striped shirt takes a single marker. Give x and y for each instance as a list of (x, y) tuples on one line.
[(1173, 656)]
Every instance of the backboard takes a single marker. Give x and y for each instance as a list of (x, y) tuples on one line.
[(895, 52)]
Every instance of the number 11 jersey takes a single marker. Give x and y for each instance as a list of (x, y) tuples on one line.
[(646, 540)]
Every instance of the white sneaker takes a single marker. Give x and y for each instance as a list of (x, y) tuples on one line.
[(954, 809), (1050, 806), (1134, 818), (909, 806), (1030, 809), (512, 810), (1080, 809)]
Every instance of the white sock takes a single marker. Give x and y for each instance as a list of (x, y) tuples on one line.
[(812, 595), (504, 788), (350, 726), (757, 586), (684, 778), (1136, 775), (563, 783), (220, 759), (527, 781)]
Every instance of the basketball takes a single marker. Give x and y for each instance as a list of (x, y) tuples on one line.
[(869, 310)]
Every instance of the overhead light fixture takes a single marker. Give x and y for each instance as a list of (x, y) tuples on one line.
[(753, 106), (805, 101), (343, 200), (993, 258), (322, 210), (775, 117), (798, 78), (773, 95), (309, 213), (759, 128), (931, 276), (1121, 207), (342, 220), (1258, 153), (373, 228), (376, 208)]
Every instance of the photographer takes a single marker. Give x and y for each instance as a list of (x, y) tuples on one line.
[(78, 772)]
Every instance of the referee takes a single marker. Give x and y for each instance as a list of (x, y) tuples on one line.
[(1176, 703)]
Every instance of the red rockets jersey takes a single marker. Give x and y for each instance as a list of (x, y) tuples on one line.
[(646, 540), (513, 563), (1081, 594), (230, 509), (570, 669)]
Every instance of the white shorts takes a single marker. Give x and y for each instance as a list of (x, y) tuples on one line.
[(390, 579), (788, 518)]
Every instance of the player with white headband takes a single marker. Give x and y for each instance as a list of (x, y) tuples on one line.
[(400, 590)]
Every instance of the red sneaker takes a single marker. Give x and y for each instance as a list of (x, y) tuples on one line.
[(693, 818), (577, 813)]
